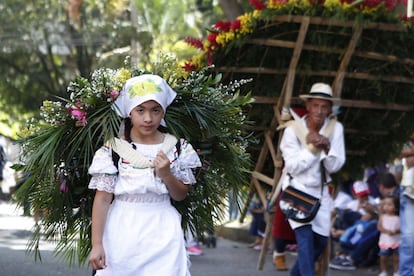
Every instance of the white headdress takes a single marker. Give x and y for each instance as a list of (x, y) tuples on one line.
[(140, 89)]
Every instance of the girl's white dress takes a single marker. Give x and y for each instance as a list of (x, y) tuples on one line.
[(143, 234)]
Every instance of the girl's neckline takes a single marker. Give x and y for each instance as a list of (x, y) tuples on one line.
[(143, 143)]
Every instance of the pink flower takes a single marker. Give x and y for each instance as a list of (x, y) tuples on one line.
[(113, 94), (79, 115), (63, 186)]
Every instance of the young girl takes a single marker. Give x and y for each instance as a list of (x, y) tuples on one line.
[(389, 227), (135, 229)]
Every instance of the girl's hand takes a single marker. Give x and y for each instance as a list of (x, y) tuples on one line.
[(97, 257), (162, 165)]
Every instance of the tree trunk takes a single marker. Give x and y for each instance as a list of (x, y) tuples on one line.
[(231, 8)]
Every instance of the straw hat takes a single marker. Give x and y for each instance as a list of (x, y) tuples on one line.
[(321, 91)]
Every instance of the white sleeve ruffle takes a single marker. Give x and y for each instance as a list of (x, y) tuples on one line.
[(103, 182), (102, 162), (188, 159), (103, 171)]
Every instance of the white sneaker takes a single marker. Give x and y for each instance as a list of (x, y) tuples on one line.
[(383, 273)]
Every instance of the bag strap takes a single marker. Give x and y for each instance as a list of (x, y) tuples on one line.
[(323, 177)]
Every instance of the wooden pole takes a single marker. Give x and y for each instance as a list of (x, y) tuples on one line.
[(287, 95)]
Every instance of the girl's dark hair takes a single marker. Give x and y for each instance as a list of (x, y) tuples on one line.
[(163, 129), (396, 201), (127, 130)]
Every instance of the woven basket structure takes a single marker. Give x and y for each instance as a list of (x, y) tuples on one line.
[(369, 65)]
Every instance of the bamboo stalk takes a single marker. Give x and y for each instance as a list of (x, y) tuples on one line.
[(339, 79)]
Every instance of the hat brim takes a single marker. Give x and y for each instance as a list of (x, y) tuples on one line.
[(361, 194), (333, 100)]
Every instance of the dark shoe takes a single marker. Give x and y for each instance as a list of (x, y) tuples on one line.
[(342, 263)]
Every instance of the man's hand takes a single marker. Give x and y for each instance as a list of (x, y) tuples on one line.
[(318, 141)]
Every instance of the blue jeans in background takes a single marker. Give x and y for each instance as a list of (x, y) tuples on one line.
[(406, 263), (310, 247)]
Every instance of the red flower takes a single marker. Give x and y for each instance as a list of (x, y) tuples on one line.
[(235, 25), (212, 38), (189, 67), (195, 42), (223, 26), (257, 4)]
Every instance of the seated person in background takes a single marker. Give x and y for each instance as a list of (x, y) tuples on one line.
[(344, 194), (346, 217), (258, 224), (358, 241)]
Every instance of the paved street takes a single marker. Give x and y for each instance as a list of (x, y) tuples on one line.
[(229, 258)]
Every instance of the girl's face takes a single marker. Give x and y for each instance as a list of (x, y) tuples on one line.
[(146, 119), (388, 206)]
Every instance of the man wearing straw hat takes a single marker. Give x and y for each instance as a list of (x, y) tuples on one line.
[(315, 150)]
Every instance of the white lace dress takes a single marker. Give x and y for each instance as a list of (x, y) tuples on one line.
[(143, 234)]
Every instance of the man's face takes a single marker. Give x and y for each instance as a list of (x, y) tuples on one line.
[(386, 191), (318, 110)]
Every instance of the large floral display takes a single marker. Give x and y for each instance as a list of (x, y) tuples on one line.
[(362, 47), (58, 148)]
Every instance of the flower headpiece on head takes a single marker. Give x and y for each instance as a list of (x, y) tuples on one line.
[(140, 89)]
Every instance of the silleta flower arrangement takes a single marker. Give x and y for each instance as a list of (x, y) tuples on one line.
[(227, 34), (59, 147)]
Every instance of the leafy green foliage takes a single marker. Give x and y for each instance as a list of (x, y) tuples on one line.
[(60, 147)]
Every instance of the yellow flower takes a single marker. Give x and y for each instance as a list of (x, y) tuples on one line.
[(257, 14), (223, 38), (276, 4), (331, 4), (122, 75), (198, 60), (246, 23), (144, 88)]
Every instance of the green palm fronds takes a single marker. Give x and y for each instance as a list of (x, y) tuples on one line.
[(59, 149)]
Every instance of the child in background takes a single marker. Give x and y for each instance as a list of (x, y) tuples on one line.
[(258, 224), (389, 227)]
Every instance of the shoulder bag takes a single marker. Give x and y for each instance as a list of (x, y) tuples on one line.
[(298, 205)]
